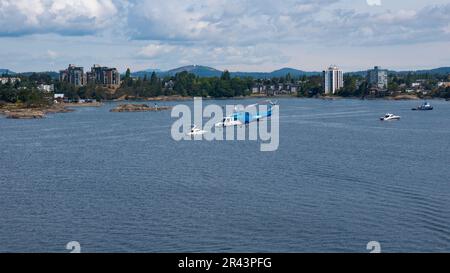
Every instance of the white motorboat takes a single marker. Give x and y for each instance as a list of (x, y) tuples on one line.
[(195, 131), (388, 117), (229, 121)]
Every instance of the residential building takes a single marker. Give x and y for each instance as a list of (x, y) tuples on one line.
[(58, 98), (98, 75), (378, 78), (5, 80), (259, 88), (46, 88), (73, 75), (169, 85), (333, 79), (275, 89), (103, 76)]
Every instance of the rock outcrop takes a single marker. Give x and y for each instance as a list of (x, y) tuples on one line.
[(139, 108), (32, 113)]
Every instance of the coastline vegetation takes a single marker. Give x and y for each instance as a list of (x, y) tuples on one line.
[(186, 85), (27, 94)]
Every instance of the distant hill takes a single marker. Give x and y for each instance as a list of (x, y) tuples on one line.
[(6, 72), (205, 71), (52, 74), (440, 71), (201, 71), (435, 71), (277, 73), (146, 72)]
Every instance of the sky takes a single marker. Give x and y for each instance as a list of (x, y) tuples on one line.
[(238, 35)]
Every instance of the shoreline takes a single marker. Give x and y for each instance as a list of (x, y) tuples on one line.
[(13, 111), (138, 108), (90, 104), (18, 111), (179, 98)]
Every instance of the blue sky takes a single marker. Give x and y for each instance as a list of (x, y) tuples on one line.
[(239, 35)]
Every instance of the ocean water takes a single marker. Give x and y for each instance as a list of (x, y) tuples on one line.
[(118, 182)]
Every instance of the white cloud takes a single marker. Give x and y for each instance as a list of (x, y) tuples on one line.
[(211, 55), (249, 22), (390, 17), (52, 54), (154, 50), (374, 2), (226, 23), (66, 17), (219, 32)]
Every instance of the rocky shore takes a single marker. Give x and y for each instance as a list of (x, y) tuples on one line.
[(404, 97), (21, 112), (169, 98), (139, 108), (87, 104)]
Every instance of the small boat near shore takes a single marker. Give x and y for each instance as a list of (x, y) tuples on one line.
[(424, 107), (388, 117)]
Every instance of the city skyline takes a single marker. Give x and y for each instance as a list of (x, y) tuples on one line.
[(243, 36)]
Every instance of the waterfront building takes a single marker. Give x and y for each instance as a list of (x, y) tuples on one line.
[(275, 89), (73, 75), (99, 75), (378, 78), (102, 75), (333, 79)]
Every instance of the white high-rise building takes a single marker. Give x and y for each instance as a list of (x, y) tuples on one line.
[(378, 78), (333, 79)]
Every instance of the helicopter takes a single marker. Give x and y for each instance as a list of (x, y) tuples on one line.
[(239, 118)]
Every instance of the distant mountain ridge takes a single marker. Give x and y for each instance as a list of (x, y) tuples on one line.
[(52, 74), (199, 70), (440, 71), (205, 71), (434, 71), (6, 72)]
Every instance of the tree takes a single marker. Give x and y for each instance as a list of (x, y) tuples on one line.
[(225, 76), (128, 74), (349, 88), (153, 78)]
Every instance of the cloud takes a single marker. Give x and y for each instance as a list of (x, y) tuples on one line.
[(390, 27), (65, 17), (242, 23), (374, 2), (221, 23), (179, 54), (216, 32), (230, 22), (154, 50), (52, 54)]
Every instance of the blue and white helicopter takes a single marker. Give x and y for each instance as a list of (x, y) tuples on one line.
[(239, 118)]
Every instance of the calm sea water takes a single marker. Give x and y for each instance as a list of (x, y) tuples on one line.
[(117, 182)]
